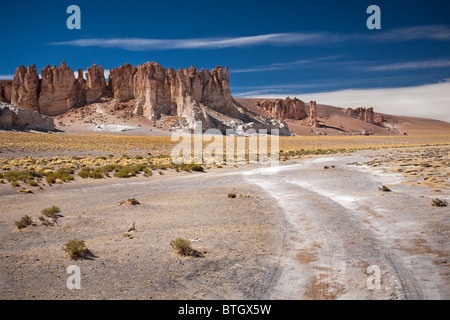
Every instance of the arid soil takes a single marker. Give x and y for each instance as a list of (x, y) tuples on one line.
[(306, 230), (237, 240)]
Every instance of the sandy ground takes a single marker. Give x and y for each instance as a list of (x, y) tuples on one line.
[(297, 232)]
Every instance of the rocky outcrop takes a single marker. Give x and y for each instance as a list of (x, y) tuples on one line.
[(313, 114), (155, 92), (25, 88), (363, 114), (121, 81), (95, 86), (188, 93), (5, 91), (164, 91), (59, 90), (13, 117), (284, 109)]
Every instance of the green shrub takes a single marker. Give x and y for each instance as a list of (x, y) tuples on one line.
[(75, 248), (64, 174), (94, 173), (51, 212), (191, 167), (33, 183), (50, 179), (439, 203), (25, 175), (133, 201), (24, 222), (148, 172), (182, 246), (122, 173), (84, 173), (384, 189), (15, 184)]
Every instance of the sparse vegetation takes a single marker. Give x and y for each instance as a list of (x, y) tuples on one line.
[(51, 212), (76, 249), (24, 222), (439, 203), (94, 173), (191, 167), (131, 201), (231, 195), (384, 189), (182, 246)]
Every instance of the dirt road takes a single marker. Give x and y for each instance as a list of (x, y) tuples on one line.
[(341, 229)]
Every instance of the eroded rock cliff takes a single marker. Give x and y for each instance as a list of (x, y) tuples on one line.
[(285, 109), (155, 91)]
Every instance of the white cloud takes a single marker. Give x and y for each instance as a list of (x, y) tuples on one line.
[(137, 44), (6, 76), (429, 101), (283, 65), (431, 32), (414, 65)]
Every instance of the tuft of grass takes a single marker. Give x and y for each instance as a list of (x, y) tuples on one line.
[(133, 201), (50, 179), (24, 175), (24, 222), (232, 195), (191, 167), (33, 183), (384, 189), (76, 249), (182, 246), (23, 190), (94, 173), (439, 203), (51, 212), (15, 184)]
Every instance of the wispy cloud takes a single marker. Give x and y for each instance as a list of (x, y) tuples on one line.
[(138, 44), (6, 76), (413, 65), (431, 32), (284, 65)]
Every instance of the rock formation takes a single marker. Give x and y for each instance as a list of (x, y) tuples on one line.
[(95, 83), (5, 91), (155, 92), (59, 90), (285, 109), (25, 88), (13, 117), (313, 114), (363, 114)]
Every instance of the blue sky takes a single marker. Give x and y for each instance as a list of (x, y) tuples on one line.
[(271, 47)]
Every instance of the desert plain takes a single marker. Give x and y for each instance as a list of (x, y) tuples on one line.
[(318, 226)]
